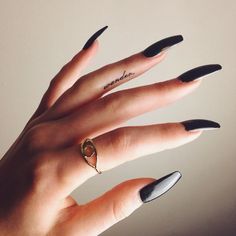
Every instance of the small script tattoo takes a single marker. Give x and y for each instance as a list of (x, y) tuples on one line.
[(124, 76)]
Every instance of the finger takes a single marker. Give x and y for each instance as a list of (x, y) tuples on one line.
[(122, 145), (65, 78), (123, 105), (99, 82), (118, 203), (69, 74)]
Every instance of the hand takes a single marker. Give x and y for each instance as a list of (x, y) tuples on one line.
[(44, 165)]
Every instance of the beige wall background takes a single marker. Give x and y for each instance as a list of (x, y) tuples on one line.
[(38, 37)]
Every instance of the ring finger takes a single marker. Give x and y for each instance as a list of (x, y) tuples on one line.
[(125, 144)]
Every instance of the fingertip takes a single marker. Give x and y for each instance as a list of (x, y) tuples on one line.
[(92, 49), (179, 88), (162, 55), (193, 83), (190, 135), (175, 135), (95, 45), (154, 60), (195, 133), (83, 57)]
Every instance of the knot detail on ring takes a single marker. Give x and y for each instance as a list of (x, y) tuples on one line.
[(89, 153)]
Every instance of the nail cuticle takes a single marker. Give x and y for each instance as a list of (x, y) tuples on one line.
[(160, 54)]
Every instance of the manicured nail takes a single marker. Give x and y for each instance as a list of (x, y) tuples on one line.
[(199, 124), (94, 37), (199, 72), (159, 46), (159, 187)]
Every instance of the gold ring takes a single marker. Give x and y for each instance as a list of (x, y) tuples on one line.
[(89, 153)]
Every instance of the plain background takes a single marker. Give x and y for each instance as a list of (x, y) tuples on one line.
[(38, 37)]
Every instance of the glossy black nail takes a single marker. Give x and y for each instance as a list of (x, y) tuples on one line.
[(200, 124), (94, 37), (159, 187), (159, 46), (199, 72)]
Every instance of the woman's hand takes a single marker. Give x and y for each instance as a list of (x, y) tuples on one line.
[(44, 165)]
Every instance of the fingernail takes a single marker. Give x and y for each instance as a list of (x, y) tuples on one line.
[(159, 187), (200, 124), (199, 72), (94, 37), (159, 46)]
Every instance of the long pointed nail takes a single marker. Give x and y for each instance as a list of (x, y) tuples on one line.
[(198, 72), (94, 37), (159, 46), (159, 187), (200, 124)]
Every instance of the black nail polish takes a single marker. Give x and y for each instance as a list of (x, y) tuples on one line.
[(159, 187), (94, 37), (159, 46), (200, 124), (199, 72)]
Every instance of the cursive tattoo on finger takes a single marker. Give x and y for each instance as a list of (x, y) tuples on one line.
[(124, 76)]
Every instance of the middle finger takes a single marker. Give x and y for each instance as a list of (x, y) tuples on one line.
[(123, 105)]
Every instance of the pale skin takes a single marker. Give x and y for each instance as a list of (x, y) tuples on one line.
[(44, 165)]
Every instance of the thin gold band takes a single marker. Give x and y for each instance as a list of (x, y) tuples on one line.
[(89, 153)]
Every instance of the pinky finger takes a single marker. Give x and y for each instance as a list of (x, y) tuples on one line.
[(69, 73)]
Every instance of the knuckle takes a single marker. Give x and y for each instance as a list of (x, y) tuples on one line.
[(128, 62), (160, 86), (119, 210), (112, 102), (107, 67), (39, 165), (35, 138), (169, 129), (82, 84), (165, 87), (53, 82), (42, 171), (65, 67), (119, 104), (125, 63), (121, 64), (120, 139), (56, 80)]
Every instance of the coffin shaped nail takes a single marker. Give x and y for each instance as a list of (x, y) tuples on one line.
[(94, 37), (200, 124), (159, 46), (159, 187), (198, 72)]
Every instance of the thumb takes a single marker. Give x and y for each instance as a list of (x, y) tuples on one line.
[(122, 200)]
